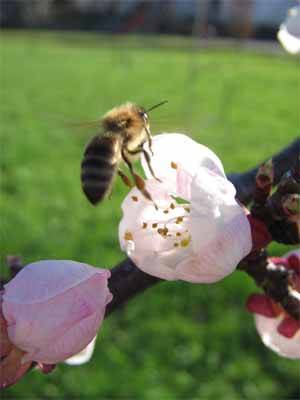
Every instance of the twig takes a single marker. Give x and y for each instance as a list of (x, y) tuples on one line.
[(286, 159)]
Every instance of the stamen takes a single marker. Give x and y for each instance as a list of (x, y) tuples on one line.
[(174, 165), (154, 225), (185, 242), (187, 209), (134, 198), (172, 206), (163, 231), (128, 235), (178, 234), (179, 220), (166, 211), (176, 244), (145, 225)]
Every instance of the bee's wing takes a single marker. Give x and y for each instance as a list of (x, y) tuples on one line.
[(84, 124)]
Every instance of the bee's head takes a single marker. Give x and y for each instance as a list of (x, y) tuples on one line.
[(126, 116)]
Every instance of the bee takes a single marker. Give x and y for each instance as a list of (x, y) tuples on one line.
[(124, 131)]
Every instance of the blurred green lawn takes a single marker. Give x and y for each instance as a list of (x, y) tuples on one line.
[(177, 340)]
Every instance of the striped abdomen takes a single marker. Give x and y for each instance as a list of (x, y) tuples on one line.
[(98, 168)]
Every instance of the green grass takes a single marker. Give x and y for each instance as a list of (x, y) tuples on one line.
[(177, 340)]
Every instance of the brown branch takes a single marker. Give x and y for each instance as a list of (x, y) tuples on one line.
[(286, 159), (127, 281)]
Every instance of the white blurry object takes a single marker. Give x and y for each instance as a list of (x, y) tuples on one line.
[(289, 32)]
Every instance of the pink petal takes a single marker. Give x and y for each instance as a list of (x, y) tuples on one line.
[(288, 327), (261, 304), (139, 231), (35, 282), (191, 270), (219, 227), (267, 329), (171, 149), (60, 324)]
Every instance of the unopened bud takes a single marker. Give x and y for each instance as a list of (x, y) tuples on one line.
[(291, 204), (289, 183), (265, 174)]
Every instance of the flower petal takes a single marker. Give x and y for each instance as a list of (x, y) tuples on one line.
[(219, 227), (288, 327), (262, 305), (35, 283), (145, 232), (173, 152), (267, 329)]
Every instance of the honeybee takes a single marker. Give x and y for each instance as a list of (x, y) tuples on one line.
[(124, 131)]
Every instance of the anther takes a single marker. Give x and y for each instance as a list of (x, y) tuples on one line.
[(185, 242), (174, 165), (128, 235)]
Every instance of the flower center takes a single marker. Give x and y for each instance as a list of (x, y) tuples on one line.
[(174, 230)]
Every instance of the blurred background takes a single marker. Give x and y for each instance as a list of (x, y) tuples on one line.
[(238, 18), (231, 87)]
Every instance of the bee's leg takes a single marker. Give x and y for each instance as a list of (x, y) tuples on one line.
[(148, 161), (125, 178), (147, 158), (149, 137), (139, 181)]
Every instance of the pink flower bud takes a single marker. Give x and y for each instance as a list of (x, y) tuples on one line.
[(53, 309)]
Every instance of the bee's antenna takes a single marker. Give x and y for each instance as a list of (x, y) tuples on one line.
[(156, 105)]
